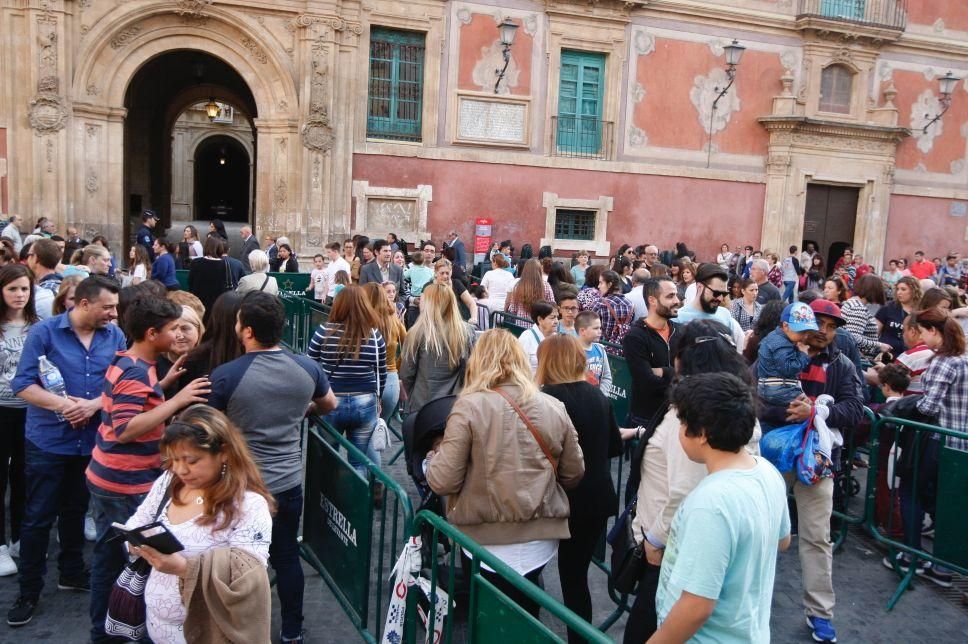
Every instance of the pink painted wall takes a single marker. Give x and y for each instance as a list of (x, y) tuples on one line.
[(666, 113), (476, 37), (954, 13), (647, 208), (950, 145), (922, 223)]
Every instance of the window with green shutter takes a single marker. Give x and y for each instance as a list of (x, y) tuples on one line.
[(575, 224), (396, 84), (580, 92)]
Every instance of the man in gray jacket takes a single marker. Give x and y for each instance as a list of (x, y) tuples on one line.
[(382, 269)]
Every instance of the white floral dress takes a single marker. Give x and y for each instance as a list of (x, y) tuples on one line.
[(252, 531)]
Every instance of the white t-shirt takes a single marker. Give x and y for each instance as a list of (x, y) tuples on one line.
[(336, 266), (529, 341), (317, 277), (497, 282)]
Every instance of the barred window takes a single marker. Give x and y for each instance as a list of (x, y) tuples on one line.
[(836, 82), (575, 224), (396, 84)]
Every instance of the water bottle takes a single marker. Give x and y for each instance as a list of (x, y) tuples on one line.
[(52, 380)]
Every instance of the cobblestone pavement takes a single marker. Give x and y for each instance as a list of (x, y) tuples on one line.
[(862, 584)]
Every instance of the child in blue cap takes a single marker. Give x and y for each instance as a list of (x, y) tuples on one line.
[(782, 356)]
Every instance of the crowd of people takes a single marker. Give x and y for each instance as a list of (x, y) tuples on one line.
[(130, 401)]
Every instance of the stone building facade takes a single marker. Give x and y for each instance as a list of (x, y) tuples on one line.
[(377, 115)]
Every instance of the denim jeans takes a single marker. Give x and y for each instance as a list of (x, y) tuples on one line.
[(788, 291), (390, 396), (108, 558), (284, 559), (356, 417), (56, 489), (779, 395)]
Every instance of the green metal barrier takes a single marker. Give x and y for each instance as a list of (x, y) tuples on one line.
[(513, 323), (618, 393), (951, 511), (847, 519), (343, 533), (289, 283), (491, 615)]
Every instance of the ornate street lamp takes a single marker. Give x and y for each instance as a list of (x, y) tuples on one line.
[(947, 83), (506, 30), (212, 109), (734, 53)]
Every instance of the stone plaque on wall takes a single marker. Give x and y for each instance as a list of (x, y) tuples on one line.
[(492, 121), (391, 214)]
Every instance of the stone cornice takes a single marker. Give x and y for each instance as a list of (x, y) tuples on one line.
[(804, 125)]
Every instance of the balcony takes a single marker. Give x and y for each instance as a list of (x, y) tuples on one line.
[(879, 19), (581, 137)]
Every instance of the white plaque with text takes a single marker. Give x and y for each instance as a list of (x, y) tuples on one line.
[(497, 121)]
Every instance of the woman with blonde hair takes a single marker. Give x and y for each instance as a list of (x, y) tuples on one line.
[(507, 454), (211, 497), (436, 349), (561, 374), (353, 353), (394, 333), (188, 333), (64, 300), (529, 289)]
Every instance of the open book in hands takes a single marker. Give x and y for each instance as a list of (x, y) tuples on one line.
[(154, 535)]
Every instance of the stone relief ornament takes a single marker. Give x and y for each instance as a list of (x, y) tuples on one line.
[(47, 113), (643, 42), (704, 92), (464, 16), (637, 138), (192, 8), (492, 58), (255, 50), (91, 183), (922, 111), (280, 195), (317, 134), (127, 35)]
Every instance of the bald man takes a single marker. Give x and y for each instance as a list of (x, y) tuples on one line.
[(249, 244)]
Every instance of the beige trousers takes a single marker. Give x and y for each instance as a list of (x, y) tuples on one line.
[(814, 505)]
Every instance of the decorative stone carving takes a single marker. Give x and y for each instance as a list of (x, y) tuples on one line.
[(637, 138), (778, 163), (789, 60), (92, 131), (91, 183), (844, 56), (47, 113), (317, 167), (643, 42), (92, 90), (925, 107), (255, 50), (125, 36), (49, 153), (402, 210), (704, 92), (192, 8), (317, 134), (492, 58), (47, 76), (280, 195), (390, 214), (464, 16)]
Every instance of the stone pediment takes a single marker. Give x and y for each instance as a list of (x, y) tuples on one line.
[(833, 135)]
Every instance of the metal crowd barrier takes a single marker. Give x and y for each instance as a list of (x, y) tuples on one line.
[(351, 541), (929, 442), (491, 615)]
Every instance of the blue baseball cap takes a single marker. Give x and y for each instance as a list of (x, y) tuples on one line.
[(799, 317)]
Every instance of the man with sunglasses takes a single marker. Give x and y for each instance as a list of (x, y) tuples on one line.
[(711, 290)]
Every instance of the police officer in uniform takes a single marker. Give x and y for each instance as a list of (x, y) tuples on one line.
[(145, 238)]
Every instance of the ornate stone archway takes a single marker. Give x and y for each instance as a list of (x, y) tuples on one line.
[(120, 47)]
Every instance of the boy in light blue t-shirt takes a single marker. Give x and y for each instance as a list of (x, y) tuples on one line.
[(418, 275), (589, 328), (719, 563)]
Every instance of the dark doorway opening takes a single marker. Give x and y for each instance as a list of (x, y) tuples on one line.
[(157, 94), (221, 180), (829, 220)]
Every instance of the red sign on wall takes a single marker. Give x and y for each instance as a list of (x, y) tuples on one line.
[(482, 238)]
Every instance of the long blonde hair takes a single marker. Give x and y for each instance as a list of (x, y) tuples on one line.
[(439, 327), (207, 429), (389, 325), (498, 359)]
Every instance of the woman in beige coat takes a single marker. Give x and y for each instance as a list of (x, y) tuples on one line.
[(508, 454)]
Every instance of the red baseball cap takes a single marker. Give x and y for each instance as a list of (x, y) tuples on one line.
[(828, 308)]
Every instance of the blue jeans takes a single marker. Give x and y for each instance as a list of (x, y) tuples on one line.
[(284, 559), (390, 396), (356, 417), (56, 489), (108, 558), (788, 292), (779, 395)]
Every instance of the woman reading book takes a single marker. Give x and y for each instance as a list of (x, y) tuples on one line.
[(212, 498)]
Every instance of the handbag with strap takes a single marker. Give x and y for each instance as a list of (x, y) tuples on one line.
[(127, 614), (531, 428)]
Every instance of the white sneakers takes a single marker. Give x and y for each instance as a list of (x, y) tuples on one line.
[(7, 566), (90, 530)]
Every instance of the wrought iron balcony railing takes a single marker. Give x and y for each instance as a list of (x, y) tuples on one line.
[(581, 137), (882, 14)]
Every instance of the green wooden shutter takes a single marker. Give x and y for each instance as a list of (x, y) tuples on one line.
[(396, 84), (580, 92)]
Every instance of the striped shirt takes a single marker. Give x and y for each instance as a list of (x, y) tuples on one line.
[(348, 374), (130, 388)]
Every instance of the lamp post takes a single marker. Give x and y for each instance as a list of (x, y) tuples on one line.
[(506, 30), (947, 85), (734, 53)]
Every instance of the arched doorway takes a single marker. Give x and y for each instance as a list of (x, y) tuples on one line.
[(160, 94), (221, 180)]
